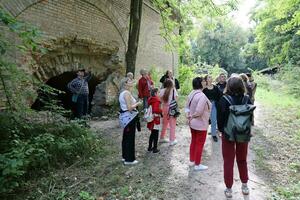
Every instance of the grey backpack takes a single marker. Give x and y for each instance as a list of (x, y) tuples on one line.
[(238, 127)]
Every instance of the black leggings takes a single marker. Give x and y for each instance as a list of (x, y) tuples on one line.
[(153, 139), (128, 141)]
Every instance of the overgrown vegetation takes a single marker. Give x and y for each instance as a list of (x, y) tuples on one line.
[(277, 145), (188, 73), (31, 143)]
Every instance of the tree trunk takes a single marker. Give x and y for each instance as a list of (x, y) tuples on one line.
[(136, 7)]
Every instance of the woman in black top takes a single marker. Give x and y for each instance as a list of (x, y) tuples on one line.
[(213, 94), (235, 88)]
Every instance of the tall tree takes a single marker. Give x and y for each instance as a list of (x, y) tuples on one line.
[(221, 45), (278, 31), (136, 7)]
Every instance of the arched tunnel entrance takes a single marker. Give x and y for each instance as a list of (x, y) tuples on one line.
[(63, 98)]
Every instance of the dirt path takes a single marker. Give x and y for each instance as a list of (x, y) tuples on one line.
[(166, 175)]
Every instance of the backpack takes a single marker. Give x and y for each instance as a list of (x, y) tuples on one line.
[(173, 108), (148, 116), (238, 127)]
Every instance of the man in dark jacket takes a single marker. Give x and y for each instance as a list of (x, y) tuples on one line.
[(169, 75), (80, 90)]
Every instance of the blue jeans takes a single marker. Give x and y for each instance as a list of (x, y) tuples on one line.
[(145, 102), (213, 118)]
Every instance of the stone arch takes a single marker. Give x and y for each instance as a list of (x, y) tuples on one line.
[(17, 7), (67, 52)]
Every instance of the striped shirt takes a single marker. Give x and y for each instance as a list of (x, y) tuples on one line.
[(80, 86)]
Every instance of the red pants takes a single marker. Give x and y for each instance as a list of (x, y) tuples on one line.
[(229, 150), (197, 144)]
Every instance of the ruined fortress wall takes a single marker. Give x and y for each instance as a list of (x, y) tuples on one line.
[(104, 22)]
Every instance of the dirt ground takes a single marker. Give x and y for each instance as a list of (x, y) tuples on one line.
[(166, 175)]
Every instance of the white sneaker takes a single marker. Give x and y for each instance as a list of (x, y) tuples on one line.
[(245, 189), (228, 193), (191, 164), (172, 143), (164, 140), (200, 167), (123, 159), (131, 163)]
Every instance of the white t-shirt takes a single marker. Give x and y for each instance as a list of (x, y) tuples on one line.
[(162, 91), (122, 100)]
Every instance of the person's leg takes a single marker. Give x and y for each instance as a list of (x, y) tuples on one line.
[(213, 118), (79, 106), (155, 139), (165, 121), (241, 159), (172, 122), (85, 105), (151, 140), (124, 138), (192, 145), (200, 141), (130, 141), (145, 102), (228, 152)]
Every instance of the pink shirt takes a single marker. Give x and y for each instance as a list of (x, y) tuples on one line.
[(198, 105)]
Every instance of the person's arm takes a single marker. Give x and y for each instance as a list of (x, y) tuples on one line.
[(218, 93), (200, 108), (72, 87), (162, 79), (222, 114), (128, 101), (253, 91), (88, 77), (140, 89), (177, 85)]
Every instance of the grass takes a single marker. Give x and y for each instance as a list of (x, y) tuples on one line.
[(279, 142), (277, 99)]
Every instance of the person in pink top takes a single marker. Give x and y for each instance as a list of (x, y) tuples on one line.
[(197, 111), (166, 95)]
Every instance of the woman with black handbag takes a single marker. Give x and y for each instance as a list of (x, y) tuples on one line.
[(169, 97)]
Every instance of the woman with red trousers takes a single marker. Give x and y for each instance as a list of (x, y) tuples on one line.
[(235, 88), (197, 109)]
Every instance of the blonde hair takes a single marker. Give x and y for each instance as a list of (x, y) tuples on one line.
[(129, 75), (124, 82)]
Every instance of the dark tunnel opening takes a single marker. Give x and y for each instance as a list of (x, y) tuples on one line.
[(64, 98)]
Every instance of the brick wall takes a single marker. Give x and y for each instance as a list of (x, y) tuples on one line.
[(103, 21)]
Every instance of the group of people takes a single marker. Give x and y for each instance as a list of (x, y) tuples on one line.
[(206, 104)]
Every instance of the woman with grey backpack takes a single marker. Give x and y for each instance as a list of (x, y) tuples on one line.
[(235, 112)]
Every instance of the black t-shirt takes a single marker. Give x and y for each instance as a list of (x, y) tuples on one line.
[(213, 94), (164, 77), (221, 86)]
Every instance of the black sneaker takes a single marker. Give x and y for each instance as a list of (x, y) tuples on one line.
[(150, 149), (215, 138), (155, 150)]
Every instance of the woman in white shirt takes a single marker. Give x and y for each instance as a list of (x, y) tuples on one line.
[(128, 120)]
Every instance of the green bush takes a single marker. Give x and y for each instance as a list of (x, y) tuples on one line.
[(156, 74), (29, 147), (290, 75), (188, 73)]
